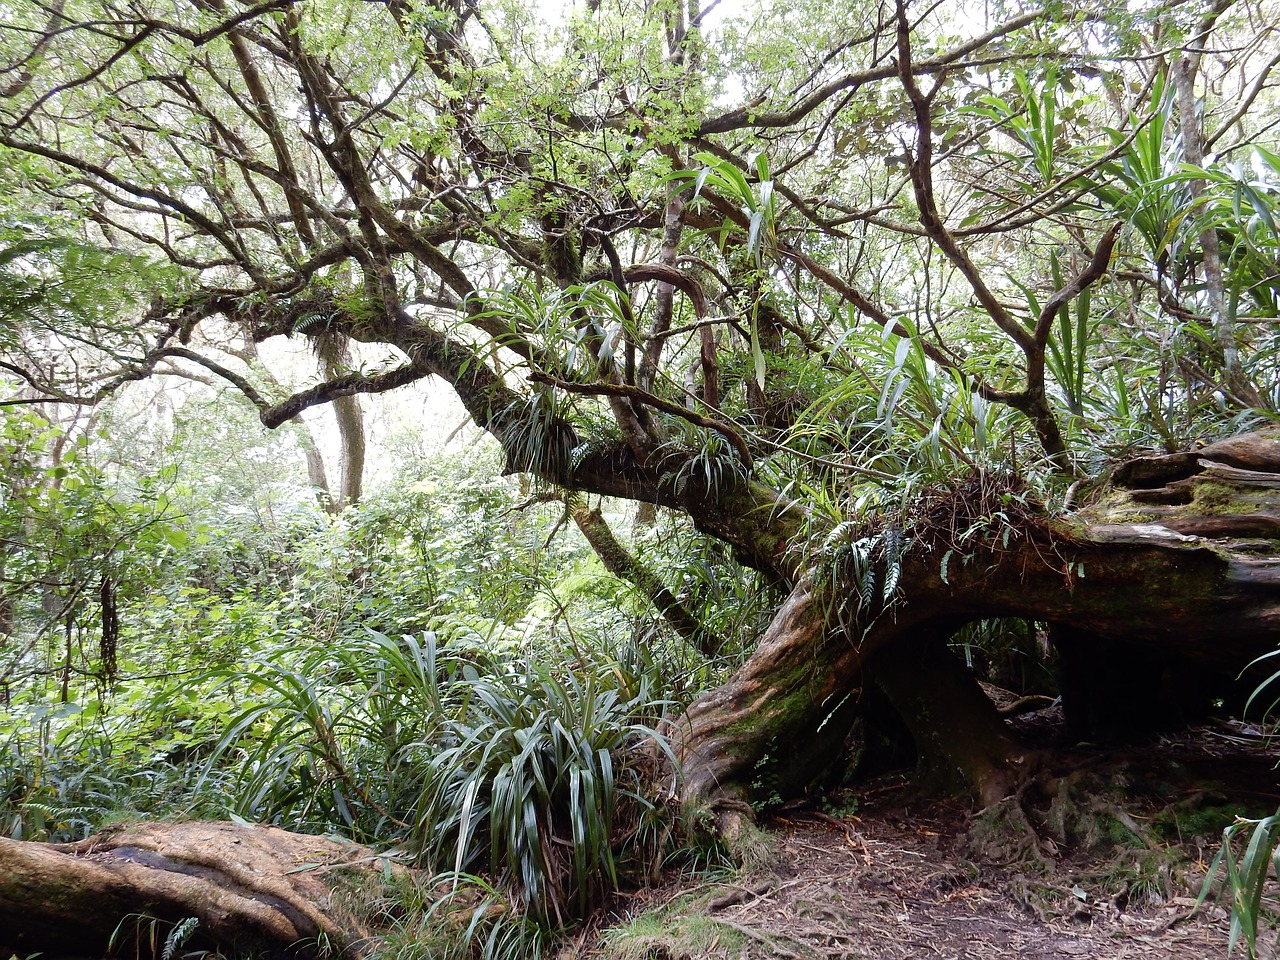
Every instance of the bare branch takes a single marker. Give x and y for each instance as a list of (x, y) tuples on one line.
[(344, 386), (1096, 267), (750, 118)]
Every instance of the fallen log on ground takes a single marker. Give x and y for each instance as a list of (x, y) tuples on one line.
[(242, 889)]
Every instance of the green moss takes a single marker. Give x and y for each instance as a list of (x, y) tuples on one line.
[(1209, 497), (1181, 822), (1115, 506), (1215, 498), (753, 850)]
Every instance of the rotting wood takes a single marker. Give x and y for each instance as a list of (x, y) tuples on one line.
[(250, 889)]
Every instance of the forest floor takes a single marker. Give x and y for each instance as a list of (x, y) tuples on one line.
[(892, 876)]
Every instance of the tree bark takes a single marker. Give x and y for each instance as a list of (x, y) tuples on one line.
[(251, 890), (350, 417), (316, 473), (963, 744)]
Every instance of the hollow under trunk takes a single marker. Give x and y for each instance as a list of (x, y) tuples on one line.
[(1174, 564), (962, 742)]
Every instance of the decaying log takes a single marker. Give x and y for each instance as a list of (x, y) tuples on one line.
[(251, 890)]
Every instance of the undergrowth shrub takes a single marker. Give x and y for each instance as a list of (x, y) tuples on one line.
[(542, 780), (536, 771), (67, 770)]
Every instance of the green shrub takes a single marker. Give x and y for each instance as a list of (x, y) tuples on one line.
[(538, 777)]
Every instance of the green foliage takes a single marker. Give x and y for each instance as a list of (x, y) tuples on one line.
[(898, 416), (862, 572), (56, 288), (582, 325), (1009, 652), (75, 550), (1241, 204), (143, 934), (1032, 116), (756, 201), (67, 770), (706, 456), (312, 720), (464, 917), (460, 169), (712, 585), (536, 773), (1250, 852), (1138, 182)]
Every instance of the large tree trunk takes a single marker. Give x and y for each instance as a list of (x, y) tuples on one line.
[(962, 741), (1172, 563), (248, 890)]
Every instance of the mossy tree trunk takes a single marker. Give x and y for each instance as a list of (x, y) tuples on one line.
[(1167, 573)]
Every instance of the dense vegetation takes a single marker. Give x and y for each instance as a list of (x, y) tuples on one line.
[(787, 343)]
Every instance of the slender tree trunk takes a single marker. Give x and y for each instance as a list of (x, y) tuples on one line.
[(350, 416), (1185, 71), (618, 561), (316, 473), (672, 226), (646, 516)]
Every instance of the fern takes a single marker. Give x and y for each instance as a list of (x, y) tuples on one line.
[(894, 543), (179, 935), (838, 537), (313, 322), (862, 574)]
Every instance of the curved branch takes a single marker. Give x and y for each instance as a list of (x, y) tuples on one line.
[(235, 379), (677, 278), (749, 118), (1096, 267), (921, 166), (623, 565), (344, 386), (648, 399)]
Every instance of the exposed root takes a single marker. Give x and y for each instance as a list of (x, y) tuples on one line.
[(1003, 832), (1144, 862)]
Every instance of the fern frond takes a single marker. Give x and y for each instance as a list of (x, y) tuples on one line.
[(179, 935), (838, 537)]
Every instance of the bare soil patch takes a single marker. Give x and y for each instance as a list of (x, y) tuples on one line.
[(897, 877)]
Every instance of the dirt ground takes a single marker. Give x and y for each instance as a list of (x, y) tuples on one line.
[(877, 886), (891, 877)]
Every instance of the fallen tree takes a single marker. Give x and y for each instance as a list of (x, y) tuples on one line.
[(219, 886)]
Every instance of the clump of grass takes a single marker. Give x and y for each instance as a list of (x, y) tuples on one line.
[(461, 918), (669, 935)]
